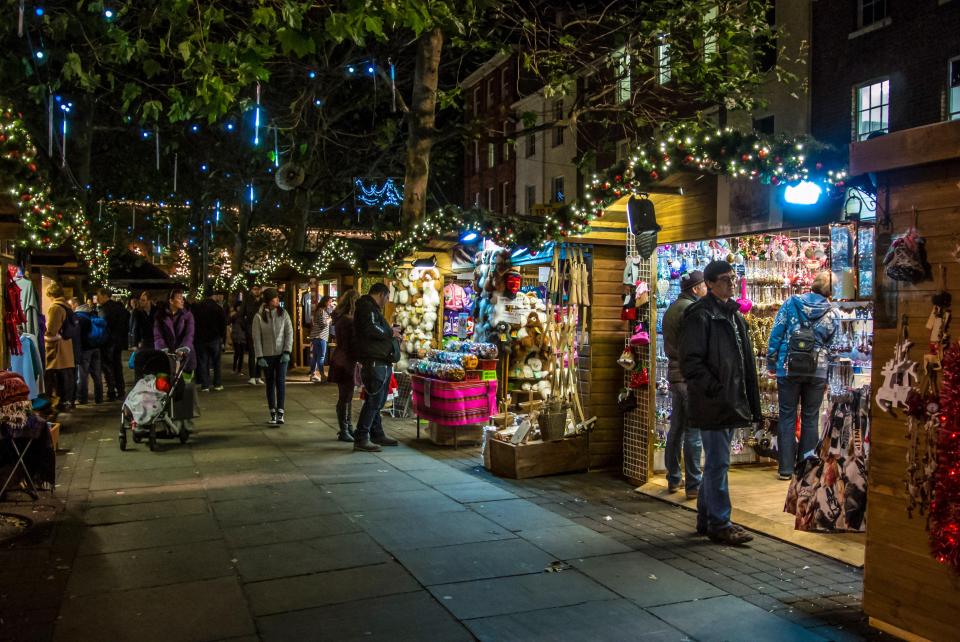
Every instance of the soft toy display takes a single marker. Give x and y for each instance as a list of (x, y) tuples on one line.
[(416, 297), (530, 339)]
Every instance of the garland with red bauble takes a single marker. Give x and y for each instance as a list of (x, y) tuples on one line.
[(44, 223), (944, 518)]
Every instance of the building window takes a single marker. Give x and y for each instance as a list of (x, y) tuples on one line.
[(624, 88), (491, 88), (476, 199), (476, 157), (491, 199), (710, 39), (476, 100), (623, 149), (505, 83), (873, 108), (491, 154), (530, 197), (505, 197), (871, 11), (531, 145), (557, 117), (764, 125), (557, 189), (663, 61), (953, 87), (506, 144)]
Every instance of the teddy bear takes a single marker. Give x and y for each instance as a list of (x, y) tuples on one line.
[(530, 337), (544, 388), (536, 367)]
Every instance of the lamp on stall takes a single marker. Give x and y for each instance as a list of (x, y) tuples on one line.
[(803, 193), (469, 236)]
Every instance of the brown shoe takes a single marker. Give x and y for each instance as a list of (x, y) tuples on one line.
[(693, 493), (732, 536)]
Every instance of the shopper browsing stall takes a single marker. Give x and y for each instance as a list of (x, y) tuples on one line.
[(343, 363), (320, 337), (272, 344), (377, 348), (693, 288), (62, 327), (798, 357), (717, 363)]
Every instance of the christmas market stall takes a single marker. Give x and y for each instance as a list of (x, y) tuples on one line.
[(911, 587)]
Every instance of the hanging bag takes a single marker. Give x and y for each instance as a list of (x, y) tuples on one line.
[(906, 259)]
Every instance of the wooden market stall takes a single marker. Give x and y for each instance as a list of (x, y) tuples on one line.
[(906, 591)]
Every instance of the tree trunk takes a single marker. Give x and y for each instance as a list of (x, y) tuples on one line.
[(421, 122)]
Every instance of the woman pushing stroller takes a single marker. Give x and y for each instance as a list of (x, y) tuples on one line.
[(272, 336)]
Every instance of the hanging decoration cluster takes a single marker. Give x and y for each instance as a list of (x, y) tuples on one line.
[(334, 250), (944, 522), (44, 223), (696, 147)]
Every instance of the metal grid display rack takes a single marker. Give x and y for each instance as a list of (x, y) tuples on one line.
[(637, 431)]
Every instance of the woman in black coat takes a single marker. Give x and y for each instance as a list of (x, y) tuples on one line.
[(343, 364)]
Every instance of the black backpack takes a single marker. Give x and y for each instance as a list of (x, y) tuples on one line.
[(802, 350), (70, 329)]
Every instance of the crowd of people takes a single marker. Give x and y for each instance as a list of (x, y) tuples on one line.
[(86, 339)]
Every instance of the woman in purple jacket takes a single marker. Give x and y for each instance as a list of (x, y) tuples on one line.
[(173, 328)]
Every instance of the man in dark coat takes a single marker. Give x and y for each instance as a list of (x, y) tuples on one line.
[(248, 310), (211, 333), (118, 322), (376, 349), (719, 366)]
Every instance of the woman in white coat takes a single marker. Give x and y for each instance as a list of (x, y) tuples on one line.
[(272, 345)]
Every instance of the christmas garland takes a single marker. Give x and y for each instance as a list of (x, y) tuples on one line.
[(694, 147), (944, 520), (334, 249), (44, 223)]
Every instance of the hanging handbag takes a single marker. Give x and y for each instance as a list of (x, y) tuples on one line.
[(639, 378), (906, 258), (627, 400), (626, 359)]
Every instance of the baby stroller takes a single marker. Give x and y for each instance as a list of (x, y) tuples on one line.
[(155, 408)]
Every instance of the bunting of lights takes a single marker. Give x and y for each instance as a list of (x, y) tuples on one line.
[(697, 147), (375, 194)]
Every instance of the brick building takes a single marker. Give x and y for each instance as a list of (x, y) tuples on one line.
[(883, 65)]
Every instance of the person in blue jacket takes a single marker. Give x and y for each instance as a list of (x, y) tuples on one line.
[(814, 310)]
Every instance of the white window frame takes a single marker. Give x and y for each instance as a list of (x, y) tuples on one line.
[(555, 182), (860, 6), (557, 115), (491, 198), (711, 45), (882, 107), (953, 93), (623, 75), (505, 197), (476, 199), (530, 196), (623, 150), (491, 155), (663, 60)]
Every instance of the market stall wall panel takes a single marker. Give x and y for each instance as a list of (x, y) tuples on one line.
[(903, 585)]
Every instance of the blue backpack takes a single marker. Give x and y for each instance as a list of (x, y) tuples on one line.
[(96, 330)]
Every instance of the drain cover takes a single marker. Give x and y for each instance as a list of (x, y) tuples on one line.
[(12, 525)]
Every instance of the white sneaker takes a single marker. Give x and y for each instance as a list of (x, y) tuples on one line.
[(273, 418), (280, 416), (252, 381), (314, 379), (260, 382)]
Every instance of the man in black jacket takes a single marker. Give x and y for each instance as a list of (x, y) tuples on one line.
[(719, 366), (142, 320), (118, 323), (376, 347), (248, 310), (210, 323)]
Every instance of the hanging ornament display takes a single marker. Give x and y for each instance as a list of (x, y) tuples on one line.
[(944, 522), (899, 374)]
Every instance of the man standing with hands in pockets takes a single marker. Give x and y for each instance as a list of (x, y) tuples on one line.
[(377, 348)]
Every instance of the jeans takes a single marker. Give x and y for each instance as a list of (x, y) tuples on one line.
[(713, 502), (318, 354), (238, 351), (111, 363), (807, 392), (208, 356), (689, 437), (61, 380), (275, 375), (90, 367), (375, 376)]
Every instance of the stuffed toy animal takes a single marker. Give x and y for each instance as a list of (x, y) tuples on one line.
[(530, 337), (528, 372), (536, 366), (544, 388)]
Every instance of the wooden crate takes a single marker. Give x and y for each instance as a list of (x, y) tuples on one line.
[(464, 435), (539, 458)]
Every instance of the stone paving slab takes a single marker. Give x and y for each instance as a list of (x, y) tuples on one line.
[(155, 477), (422, 501), (287, 559), (517, 594), (475, 561), (102, 498), (440, 477), (573, 541), (145, 511), (289, 530), (239, 489), (606, 621), (519, 514), (730, 618), (207, 610), (149, 567), (149, 534), (476, 491), (333, 587), (429, 531), (256, 510), (644, 580), (406, 617)]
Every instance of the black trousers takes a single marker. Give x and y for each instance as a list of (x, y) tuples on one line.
[(62, 381), (90, 367), (239, 349), (111, 357), (345, 392)]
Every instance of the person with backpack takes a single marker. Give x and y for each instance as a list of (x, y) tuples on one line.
[(62, 327), (797, 356), (343, 364), (93, 334), (111, 353)]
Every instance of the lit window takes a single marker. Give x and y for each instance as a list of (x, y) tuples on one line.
[(505, 197), (953, 87), (530, 197), (491, 196), (872, 11), (558, 189), (663, 61), (710, 40), (557, 116), (491, 154), (624, 88), (873, 108)]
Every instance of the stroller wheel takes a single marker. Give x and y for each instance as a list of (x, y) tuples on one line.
[(123, 441)]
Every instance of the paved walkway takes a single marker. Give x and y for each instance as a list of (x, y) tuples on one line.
[(251, 532)]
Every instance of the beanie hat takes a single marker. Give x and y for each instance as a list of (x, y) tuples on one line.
[(269, 294), (715, 269), (691, 280)]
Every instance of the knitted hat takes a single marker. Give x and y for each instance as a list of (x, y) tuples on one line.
[(270, 294), (691, 280), (715, 269)]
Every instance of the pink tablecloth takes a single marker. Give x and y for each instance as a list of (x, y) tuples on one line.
[(450, 403)]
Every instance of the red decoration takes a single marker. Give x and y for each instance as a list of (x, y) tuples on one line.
[(774, 181), (745, 158), (654, 175), (945, 506), (618, 178), (688, 159), (32, 167), (762, 153)]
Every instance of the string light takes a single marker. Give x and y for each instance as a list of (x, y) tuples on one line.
[(374, 195)]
